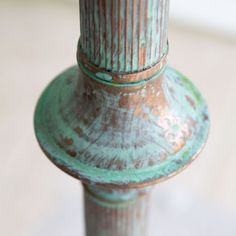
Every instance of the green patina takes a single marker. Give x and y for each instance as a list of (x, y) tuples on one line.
[(112, 44), (114, 135), (50, 125), (105, 78)]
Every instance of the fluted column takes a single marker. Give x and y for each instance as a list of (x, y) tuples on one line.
[(116, 212), (124, 35)]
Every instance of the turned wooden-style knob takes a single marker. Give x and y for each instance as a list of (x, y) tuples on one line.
[(122, 120)]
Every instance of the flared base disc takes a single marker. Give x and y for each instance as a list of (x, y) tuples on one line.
[(145, 146)]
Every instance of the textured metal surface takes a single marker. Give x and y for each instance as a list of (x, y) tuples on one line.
[(124, 35), (121, 119), (122, 137), (122, 129), (116, 212), (120, 79)]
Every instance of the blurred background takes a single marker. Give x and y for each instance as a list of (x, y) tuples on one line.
[(37, 41)]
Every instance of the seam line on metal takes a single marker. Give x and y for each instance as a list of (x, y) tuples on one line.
[(121, 79), (110, 202), (130, 84)]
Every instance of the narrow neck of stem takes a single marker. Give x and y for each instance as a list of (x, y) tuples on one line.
[(115, 212), (124, 35)]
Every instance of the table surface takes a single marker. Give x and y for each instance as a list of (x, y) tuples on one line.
[(38, 40)]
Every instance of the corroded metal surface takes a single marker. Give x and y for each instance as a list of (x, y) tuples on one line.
[(121, 137), (121, 119), (119, 79), (124, 35), (116, 212)]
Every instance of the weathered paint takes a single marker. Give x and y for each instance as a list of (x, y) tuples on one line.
[(140, 135), (124, 35)]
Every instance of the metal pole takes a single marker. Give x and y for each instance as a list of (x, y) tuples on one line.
[(122, 120), (116, 212)]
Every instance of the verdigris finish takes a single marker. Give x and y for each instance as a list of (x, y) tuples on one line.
[(119, 139), (122, 120), (124, 35)]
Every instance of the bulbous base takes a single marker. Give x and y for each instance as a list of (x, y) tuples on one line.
[(121, 137)]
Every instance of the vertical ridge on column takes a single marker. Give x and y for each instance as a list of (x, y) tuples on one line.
[(126, 35), (96, 33), (144, 32), (112, 33), (108, 33), (139, 33), (161, 28), (104, 31), (119, 34)]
